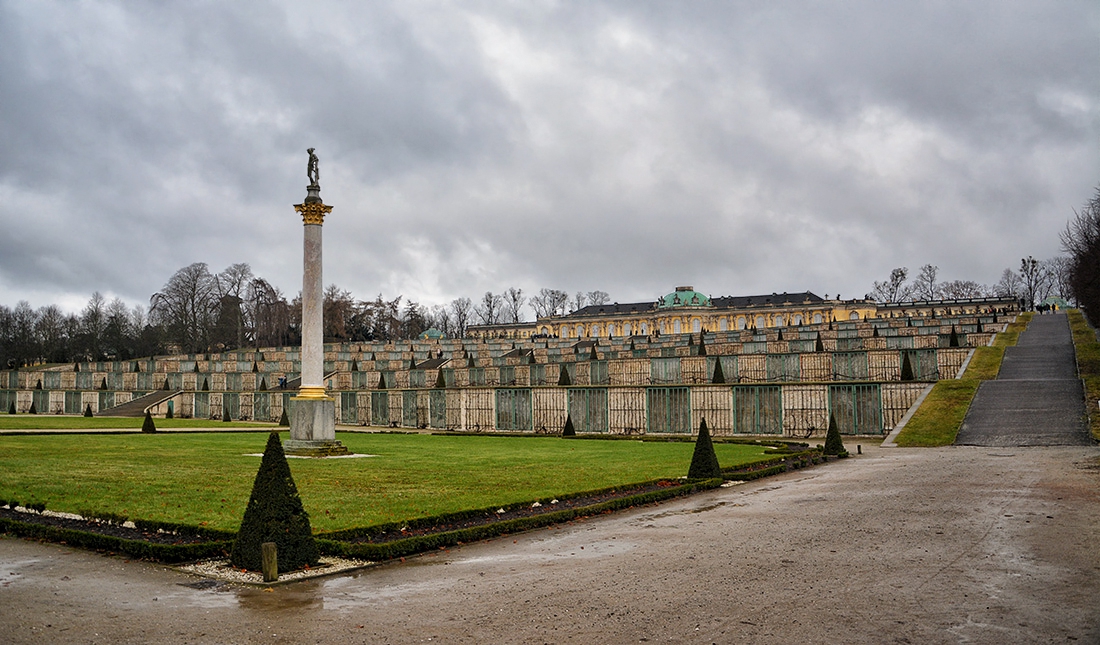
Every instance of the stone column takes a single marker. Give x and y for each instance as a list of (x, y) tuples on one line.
[(313, 411)]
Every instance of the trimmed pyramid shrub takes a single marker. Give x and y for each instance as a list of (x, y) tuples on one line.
[(819, 346), (255, 367), (568, 430), (594, 356), (103, 384), (704, 463), (440, 382), (719, 375), (702, 345), (779, 336), (11, 407), (148, 425), (225, 413), (874, 332), (33, 409), (381, 381), (833, 444), (906, 367), (355, 366), (205, 385), (167, 385), (563, 376), (274, 514), (263, 384), (87, 410), (284, 420), (38, 385), (168, 414), (953, 341)]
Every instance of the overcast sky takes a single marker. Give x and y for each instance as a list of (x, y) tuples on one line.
[(739, 147)]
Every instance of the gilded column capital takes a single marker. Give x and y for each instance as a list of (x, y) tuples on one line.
[(313, 212)]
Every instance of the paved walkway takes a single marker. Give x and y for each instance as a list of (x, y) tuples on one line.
[(1037, 398)]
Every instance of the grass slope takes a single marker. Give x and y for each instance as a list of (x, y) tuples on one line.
[(1088, 364), (939, 418), (204, 479)]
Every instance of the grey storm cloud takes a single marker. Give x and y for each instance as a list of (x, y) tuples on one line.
[(474, 146)]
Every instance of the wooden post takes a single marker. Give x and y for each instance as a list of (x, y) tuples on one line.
[(270, 559)]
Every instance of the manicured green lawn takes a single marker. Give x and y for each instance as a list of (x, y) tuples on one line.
[(205, 479), (57, 422), (939, 418)]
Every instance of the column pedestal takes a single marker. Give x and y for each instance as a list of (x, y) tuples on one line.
[(313, 428)]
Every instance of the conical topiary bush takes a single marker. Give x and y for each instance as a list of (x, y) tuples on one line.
[(563, 376), (953, 340), (704, 463), (87, 410), (11, 407), (702, 345), (719, 375), (274, 514), (906, 367), (148, 425), (225, 413), (819, 346), (568, 430), (779, 336), (833, 444), (284, 421), (33, 409), (381, 381)]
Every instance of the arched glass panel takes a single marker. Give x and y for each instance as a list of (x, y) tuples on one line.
[(759, 321), (740, 323), (676, 326), (853, 316), (779, 321), (644, 329), (817, 319), (723, 324), (626, 329), (797, 320)]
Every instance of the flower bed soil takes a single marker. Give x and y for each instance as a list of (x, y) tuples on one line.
[(490, 517), (103, 528)]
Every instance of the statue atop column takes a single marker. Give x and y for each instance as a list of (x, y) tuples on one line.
[(312, 172)]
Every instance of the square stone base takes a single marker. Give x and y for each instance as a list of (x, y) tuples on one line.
[(312, 419), (314, 448)]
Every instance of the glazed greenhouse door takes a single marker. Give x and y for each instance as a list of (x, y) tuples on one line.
[(856, 408), (669, 409), (757, 409)]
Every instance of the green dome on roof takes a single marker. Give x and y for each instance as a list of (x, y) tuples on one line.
[(431, 334), (684, 297)]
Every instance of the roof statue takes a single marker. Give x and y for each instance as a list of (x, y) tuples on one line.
[(311, 170)]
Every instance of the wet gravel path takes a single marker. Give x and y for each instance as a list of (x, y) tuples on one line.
[(949, 545)]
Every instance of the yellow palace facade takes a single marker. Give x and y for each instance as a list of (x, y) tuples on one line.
[(686, 311)]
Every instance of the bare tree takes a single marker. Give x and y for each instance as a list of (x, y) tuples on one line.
[(598, 298), (513, 305), (892, 290), (924, 285), (1033, 275), (962, 289), (489, 309), (460, 315), (1081, 241), (1008, 286), (1060, 269), (338, 308), (185, 306), (578, 302)]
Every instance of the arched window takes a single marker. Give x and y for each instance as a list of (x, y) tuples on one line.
[(696, 325), (797, 320), (611, 329), (644, 329), (779, 321), (740, 322), (676, 326), (595, 331), (580, 331), (723, 324), (853, 316), (626, 329), (817, 319), (760, 322)]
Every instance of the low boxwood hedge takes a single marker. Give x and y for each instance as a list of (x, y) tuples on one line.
[(167, 553)]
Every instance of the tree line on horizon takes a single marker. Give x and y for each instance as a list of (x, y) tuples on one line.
[(1032, 284), (198, 311)]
